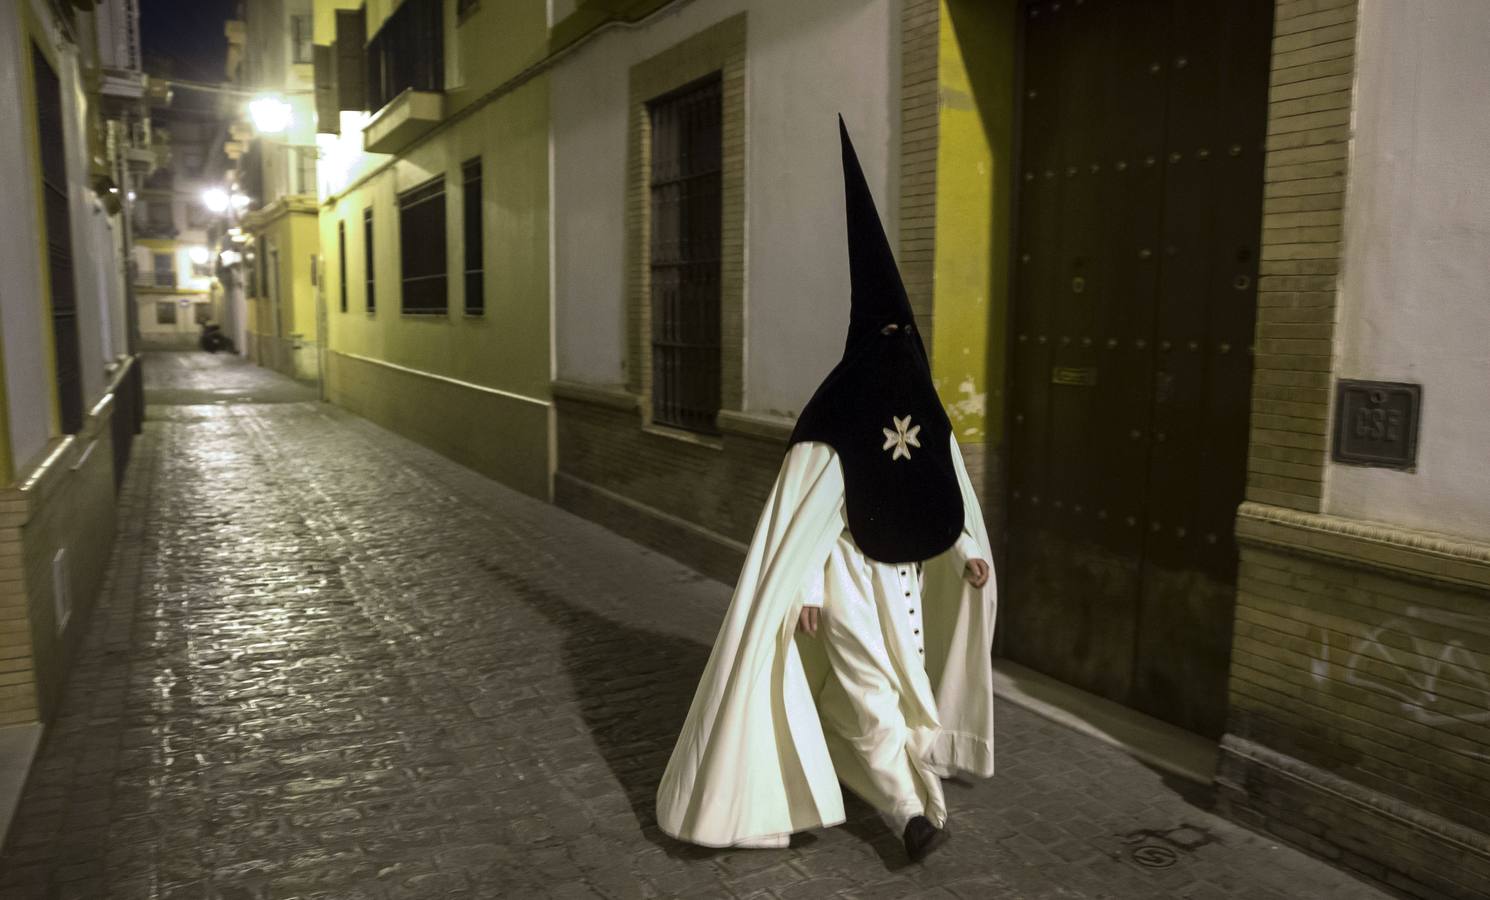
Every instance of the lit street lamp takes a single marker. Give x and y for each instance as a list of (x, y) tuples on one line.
[(271, 114), (216, 200)]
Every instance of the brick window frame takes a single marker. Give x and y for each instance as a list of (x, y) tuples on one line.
[(719, 48)]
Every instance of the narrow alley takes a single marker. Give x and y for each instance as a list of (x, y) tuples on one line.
[(328, 663)]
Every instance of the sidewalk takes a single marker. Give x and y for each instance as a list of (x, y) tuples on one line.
[(331, 664)]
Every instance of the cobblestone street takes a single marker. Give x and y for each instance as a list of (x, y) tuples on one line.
[(329, 663)]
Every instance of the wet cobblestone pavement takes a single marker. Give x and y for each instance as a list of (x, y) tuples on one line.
[(330, 664)]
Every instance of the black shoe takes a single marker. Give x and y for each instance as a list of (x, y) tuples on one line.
[(922, 837)]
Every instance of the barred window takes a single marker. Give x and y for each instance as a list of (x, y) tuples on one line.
[(421, 232), (341, 259), (470, 173), (687, 143), (165, 312), (369, 270)]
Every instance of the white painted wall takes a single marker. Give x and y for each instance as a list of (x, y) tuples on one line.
[(28, 379), (806, 62), (1415, 302)]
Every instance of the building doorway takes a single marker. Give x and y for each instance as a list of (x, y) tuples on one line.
[(1136, 254)]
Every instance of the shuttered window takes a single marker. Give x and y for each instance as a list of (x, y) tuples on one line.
[(470, 173), (368, 269), (407, 52), (351, 60), (165, 270), (687, 141), (422, 250)]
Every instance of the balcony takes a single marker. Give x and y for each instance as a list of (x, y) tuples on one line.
[(406, 118), (405, 64)]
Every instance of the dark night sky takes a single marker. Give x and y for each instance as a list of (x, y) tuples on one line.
[(187, 36)]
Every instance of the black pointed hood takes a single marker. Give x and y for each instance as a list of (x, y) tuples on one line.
[(878, 408)]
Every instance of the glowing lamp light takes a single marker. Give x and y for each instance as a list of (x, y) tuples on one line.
[(270, 114), (215, 199), (131, 196), (239, 201), (199, 255), (230, 257)]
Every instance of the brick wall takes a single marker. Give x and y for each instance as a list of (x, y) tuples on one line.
[(1308, 143), (1359, 725), (920, 24), (1360, 698), (696, 501)]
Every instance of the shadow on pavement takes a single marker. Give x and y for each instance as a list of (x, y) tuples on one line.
[(633, 688)]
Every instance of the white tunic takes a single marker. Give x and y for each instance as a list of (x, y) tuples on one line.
[(861, 703)]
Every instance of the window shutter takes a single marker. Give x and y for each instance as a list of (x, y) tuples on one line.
[(328, 112), (351, 39)]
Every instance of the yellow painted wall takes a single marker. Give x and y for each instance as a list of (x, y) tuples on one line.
[(496, 41), (508, 347), (324, 25), (974, 206), (473, 388)]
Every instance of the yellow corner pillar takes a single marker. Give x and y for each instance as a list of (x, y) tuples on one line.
[(974, 208)]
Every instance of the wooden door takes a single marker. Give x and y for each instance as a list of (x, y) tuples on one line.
[(1141, 154)]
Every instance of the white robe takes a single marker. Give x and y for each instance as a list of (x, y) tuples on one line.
[(752, 763), (869, 606)]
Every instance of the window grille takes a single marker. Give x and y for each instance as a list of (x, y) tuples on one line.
[(421, 232), (165, 312), (471, 208), (369, 270), (341, 259), (407, 52), (687, 144)]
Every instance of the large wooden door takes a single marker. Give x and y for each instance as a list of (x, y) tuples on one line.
[(1141, 158)]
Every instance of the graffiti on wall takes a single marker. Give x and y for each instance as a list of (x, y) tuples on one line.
[(1393, 660)]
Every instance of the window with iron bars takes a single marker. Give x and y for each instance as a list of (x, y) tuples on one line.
[(687, 151), (407, 52), (421, 234), (369, 269), (470, 172)]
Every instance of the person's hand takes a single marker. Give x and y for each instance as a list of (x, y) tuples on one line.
[(976, 572), (807, 621)]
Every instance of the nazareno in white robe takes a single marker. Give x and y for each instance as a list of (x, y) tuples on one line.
[(752, 763)]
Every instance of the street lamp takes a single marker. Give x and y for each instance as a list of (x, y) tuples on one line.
[(271, 114), (216, 200), (199, 255)]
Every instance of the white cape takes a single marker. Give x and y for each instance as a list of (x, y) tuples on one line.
[(751, 765)]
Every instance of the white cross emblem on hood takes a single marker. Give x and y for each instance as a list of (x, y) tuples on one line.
[(903, 437)]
